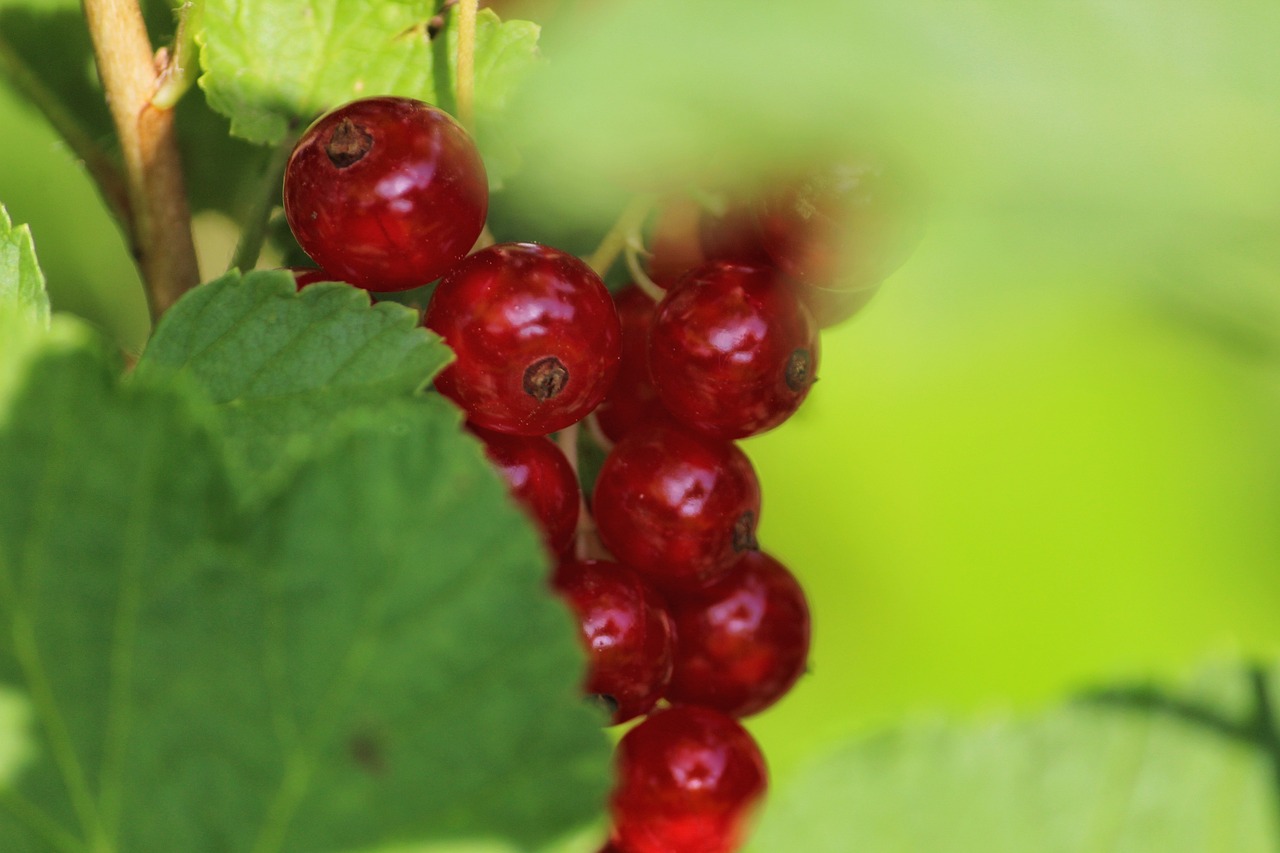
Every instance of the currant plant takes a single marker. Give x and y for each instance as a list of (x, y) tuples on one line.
[(388, 521)]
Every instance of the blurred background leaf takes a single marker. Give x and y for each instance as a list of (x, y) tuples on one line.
[(1182, 774)]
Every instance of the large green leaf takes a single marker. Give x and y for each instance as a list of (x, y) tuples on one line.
[(370, 656), (1135, 772), (273, 67), (284, 365)]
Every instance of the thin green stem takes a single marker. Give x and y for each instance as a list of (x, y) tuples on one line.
[(253, 232), (466, 79), (183, 65), (625, 230), (102, 168)]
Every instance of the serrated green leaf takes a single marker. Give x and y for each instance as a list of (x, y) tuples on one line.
[(1187, 774), (274, 67), (282, 365), (369, 657), (21, 282)]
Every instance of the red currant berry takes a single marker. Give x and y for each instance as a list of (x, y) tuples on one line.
[(386, 193), (743, 641), (732, 351), (632, 398), (677, 507), (626, 630), (540, 478), (535, 333), (688, 781), (844, 226)]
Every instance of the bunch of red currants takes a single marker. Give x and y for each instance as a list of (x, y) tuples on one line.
[(675, 601)]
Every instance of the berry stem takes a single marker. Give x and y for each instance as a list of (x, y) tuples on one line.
[(254, 231), (162, 245), (585, 542), (466, 82), (638, 275), (626, 228), (183, 65), (102, 168)]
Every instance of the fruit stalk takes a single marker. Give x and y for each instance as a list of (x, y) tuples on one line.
[(160, 231)]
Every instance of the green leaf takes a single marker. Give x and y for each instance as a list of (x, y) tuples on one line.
[(284, 365), (369, 657), (274, 67), (1130, 772), (21, 282), (16, 747)]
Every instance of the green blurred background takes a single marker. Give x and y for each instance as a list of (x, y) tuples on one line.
[(1045, 455)]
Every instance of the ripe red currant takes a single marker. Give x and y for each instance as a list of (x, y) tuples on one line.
[(386, 193), (632, 398), (743, 641), (626, 630), (535, 333), (540, 478), (732, 351), (677, 507), (688, 781)]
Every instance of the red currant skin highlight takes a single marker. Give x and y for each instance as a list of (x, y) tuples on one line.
[(386, 193), (732, 350), (535, 333), (632, 398), (677, 507), (688, 781), (540, 478), (626, 630), (743, 640)]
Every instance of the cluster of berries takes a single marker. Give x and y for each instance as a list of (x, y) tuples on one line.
[(675, 601)]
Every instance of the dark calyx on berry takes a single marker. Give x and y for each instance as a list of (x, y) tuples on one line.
[(799, 374), (545, 378), (348, 143)]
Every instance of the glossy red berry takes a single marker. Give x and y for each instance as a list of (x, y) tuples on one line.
[(632, 399), (386, 193), (743, 640), (688, 781), (540, 478), (535, 333), (732, 350), (626, 630), (677, 507)]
